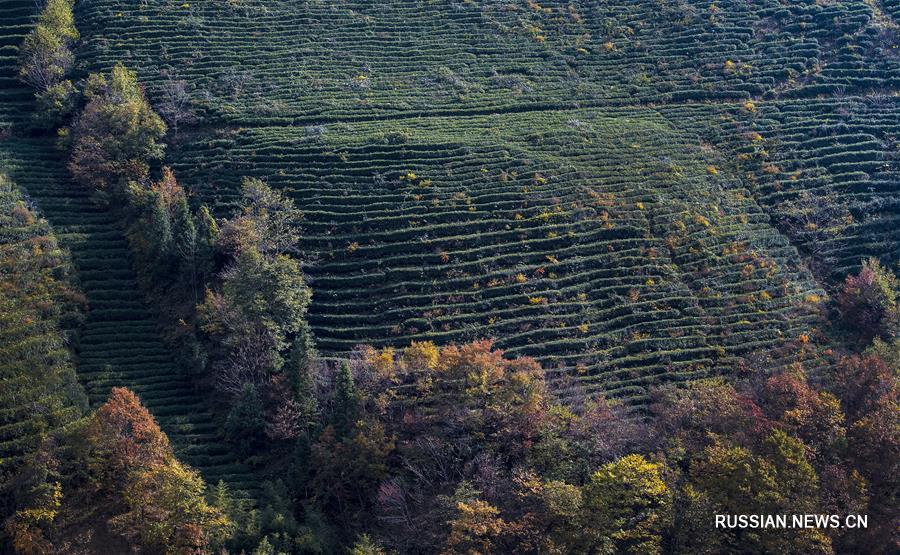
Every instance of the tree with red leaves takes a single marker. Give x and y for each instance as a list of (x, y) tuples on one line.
[(125, 438), (868, 301)]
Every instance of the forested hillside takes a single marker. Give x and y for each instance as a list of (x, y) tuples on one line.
[(457, 276)]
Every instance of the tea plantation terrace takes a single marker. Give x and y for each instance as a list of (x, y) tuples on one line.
[(603, 242)]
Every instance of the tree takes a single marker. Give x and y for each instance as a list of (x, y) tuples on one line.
[(121, 468), (345, 402), (158, 229), (736, 481), (809, 414), (297, 408), (262, 304), (263, 298), (628, 504), (184, 233), (563, 512), (207, 235), (269, 293), (476, 529), (421, 356), (691, 415), (125, 438), (477, 364), (39, 499), (175, 103), (868, 301), (167, 512), (365, 545), (117, 134), (55, 104), (46, 56), (268, 222), (301, 363), (246, 423)]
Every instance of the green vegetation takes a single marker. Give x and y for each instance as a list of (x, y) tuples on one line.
[(263, 297), (822, 168), (116, 134), (572, 244), (461, 448), (254, 62), (46, 52), (120, 343), (868, 302), (449, 276), (39, 310)]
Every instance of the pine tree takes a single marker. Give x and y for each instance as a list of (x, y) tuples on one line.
[(206, 237), (159, 230), (303, 352), (184, 241), (345, 402), (184, 232), (299, 371), (246, 424)]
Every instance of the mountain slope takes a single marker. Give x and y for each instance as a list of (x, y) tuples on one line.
[(119, 344), (39, 307), (611, 187)]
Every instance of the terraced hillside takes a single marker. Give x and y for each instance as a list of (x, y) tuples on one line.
[(16, 101), (119, 343), (607, 186), (39, 307), (255, 62), (601, 242), (826, 170)]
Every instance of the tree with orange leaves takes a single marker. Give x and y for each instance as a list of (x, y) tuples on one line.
[(163, 500), (125, 438)]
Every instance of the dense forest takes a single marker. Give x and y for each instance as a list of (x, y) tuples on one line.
[(440, 276)]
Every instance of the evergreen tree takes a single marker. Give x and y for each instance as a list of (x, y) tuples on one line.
[(246, 425), (345, 402), (207, 235), (159, 230), (299, 372), (184, 232)]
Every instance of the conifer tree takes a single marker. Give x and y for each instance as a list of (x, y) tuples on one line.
[(300, 378), (159, 230), (345, 402), (246, 423)]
